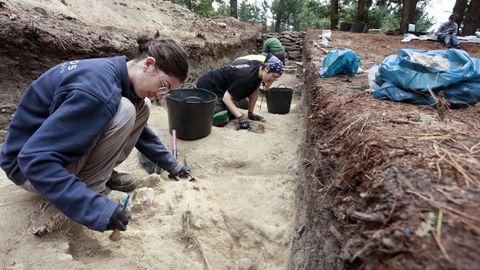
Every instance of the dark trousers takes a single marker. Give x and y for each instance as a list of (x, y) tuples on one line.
[(449, 38)]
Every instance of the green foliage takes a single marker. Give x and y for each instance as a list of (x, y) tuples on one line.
[(301, 14), (284, 11), (251, 12), (392, 21), (204, 7), (222, 8), (323, 23), (313, 14), (382, 17), (423, 21), (347, 11)]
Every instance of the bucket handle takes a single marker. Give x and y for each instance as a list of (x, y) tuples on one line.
[(197, 99), (190, 85), (284, 86)]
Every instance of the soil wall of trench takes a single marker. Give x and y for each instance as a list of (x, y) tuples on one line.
[(373, 179)]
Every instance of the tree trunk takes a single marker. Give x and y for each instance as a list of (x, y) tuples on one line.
[(278, 23), (459, 8), (472, 18), (280, 14), (360, 9), (408, 14), (234, 8), (334, 15)]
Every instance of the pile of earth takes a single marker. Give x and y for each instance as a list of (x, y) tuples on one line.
[(386, 185)]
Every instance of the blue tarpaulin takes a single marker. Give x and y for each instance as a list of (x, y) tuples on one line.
[(408, 79), (340, 62)]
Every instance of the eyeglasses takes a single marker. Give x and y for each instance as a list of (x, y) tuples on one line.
[(165, 84)]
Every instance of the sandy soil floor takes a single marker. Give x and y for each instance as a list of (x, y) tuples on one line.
[(240, 213)]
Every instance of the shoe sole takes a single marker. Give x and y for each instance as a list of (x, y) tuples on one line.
[(125, 188)]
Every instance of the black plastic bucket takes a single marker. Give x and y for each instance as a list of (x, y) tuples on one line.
[(279, 99), (190, 112), (358, 27), (345, 26)]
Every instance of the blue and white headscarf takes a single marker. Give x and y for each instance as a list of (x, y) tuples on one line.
[(273, 63)]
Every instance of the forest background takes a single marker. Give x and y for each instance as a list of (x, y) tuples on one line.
[(298, 15)]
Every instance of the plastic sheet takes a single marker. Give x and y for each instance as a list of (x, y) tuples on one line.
[(372, 78), (401, 71), (340, 62), (412, 79)]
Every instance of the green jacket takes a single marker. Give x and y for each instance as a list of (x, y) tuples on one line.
[(272, 45)]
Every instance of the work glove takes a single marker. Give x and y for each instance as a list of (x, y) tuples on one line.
[(184, 172), (243, 122), (119, 219), (255, 117)]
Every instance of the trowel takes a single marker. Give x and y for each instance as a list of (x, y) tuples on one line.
[(175, 153)]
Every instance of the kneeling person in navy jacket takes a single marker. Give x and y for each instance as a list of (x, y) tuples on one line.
[(80, 119)]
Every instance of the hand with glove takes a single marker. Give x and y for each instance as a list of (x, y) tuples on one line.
[(255, 117), (184, 172), (119, 219), (243, 122)]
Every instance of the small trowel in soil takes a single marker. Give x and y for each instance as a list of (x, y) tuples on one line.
[(115, 236), (188, 170), (174, 152)]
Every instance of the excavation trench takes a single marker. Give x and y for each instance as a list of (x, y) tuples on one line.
[(238, 214), (341, 182), (373, 177)]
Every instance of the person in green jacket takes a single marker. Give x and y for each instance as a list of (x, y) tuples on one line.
[(274, 46)]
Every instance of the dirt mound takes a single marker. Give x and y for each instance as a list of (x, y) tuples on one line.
[(173, 21), (380, 175)]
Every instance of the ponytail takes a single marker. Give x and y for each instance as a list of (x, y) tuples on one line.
[(169, 56)]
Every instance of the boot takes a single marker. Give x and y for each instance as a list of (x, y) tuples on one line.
[(122, 182)]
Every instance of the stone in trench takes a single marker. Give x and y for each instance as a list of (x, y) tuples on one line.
[(143, 199), (295, 55), (151, 180), (246, 264)]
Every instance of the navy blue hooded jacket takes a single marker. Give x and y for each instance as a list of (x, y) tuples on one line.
[(57, 119)]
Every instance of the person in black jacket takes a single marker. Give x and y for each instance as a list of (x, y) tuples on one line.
[(236, 82)]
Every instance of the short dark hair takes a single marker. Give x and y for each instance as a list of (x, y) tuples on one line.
[(169, 56), (453, 17)]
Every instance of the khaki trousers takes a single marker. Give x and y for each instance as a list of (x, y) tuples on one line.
[(111, 147)]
